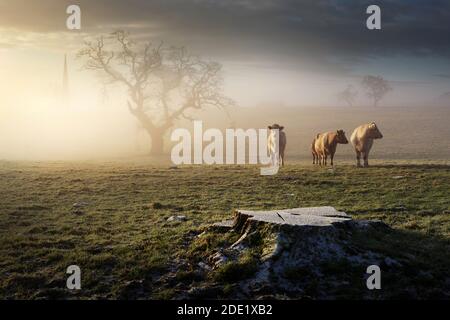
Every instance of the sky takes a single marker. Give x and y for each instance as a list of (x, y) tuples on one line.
[(273, 52)]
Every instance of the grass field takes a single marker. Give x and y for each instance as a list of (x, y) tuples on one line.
[(126, 248)]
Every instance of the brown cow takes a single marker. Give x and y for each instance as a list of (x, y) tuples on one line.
[(362, 140), (325, 145), (313, 150)]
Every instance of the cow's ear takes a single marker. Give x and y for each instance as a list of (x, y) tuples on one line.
[(281, 128), (372, 125), (270, 127)]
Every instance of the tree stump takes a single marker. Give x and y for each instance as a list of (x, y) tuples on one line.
[(293, 250)]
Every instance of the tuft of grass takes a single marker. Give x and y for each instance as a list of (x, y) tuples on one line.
[(234, 271)]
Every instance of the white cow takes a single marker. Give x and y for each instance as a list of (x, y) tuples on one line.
[(276, 133)]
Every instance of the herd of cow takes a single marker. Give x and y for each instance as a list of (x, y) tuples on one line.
[(324, 144)]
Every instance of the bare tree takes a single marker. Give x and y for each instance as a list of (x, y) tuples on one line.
[(348, 95), (377, 87), (445, 98), (446, 95), (164, 83)]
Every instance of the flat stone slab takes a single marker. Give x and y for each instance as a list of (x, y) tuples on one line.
[(313, 216)]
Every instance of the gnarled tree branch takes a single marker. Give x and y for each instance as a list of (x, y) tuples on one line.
[(164, 83)]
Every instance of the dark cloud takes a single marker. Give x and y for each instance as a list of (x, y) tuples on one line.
[(329, 34)]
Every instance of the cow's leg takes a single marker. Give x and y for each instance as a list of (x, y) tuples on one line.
[(366, 159), (282, 158), (358, 159), (331, 158), (325, 157), (314, 158)]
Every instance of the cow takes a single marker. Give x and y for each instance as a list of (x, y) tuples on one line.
[(313, 150), (325, 145), (362, 140), (276, 133)]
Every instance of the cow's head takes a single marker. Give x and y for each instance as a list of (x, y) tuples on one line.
[(341, 138), (373, 131), (276, 126)]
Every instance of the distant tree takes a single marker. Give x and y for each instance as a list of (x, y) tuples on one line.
[(445, 98), (348, 95), (376, 87), (446, 95), (164, 83)]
